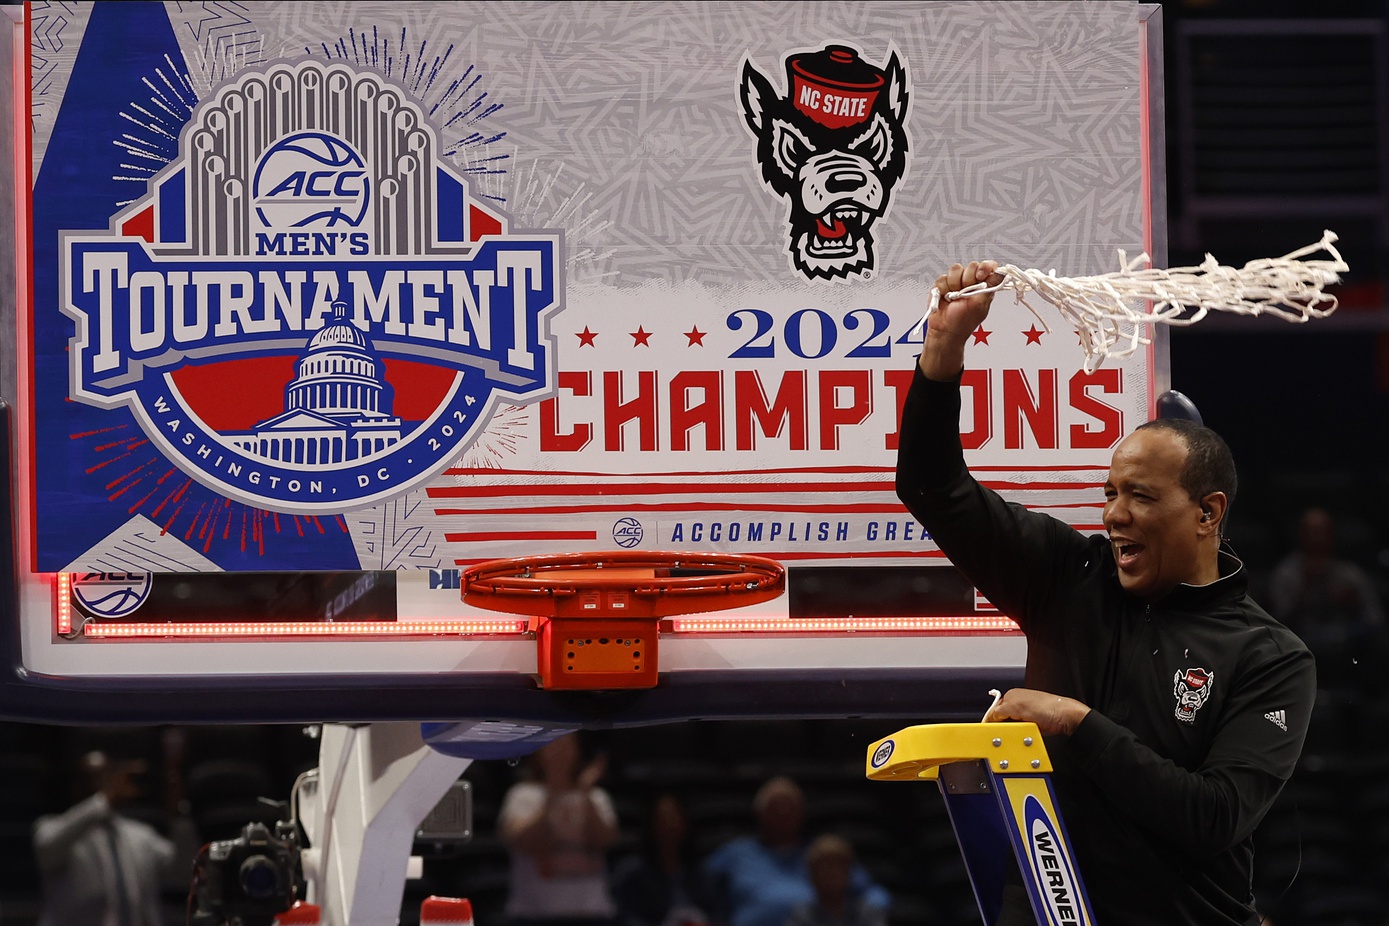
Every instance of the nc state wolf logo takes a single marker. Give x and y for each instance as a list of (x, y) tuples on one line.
[(1191, 688), (834, 147)]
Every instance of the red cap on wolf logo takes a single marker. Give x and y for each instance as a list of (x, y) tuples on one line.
[(1196, 678), (834, 87)]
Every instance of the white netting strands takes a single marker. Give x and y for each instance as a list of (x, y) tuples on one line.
[(1112, 311)]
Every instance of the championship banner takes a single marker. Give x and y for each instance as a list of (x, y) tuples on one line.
[(380, 286)]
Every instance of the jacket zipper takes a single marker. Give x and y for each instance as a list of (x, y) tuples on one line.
[(1139, 642)]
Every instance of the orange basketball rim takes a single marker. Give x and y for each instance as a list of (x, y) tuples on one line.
[(597, 615)]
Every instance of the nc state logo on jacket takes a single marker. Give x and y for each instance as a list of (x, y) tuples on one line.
[(835, 147), (1191, 688)]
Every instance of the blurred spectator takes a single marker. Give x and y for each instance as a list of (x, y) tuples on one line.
[(559, 828), (180, 828), (99, 867), (760, 880), (1312, 590), (831, 863), (660, 887)]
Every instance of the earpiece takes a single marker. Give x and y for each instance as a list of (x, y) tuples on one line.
[(1205, 514)]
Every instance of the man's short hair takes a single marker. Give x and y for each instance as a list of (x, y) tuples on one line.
[(774, 787), (830, 846), (1210, 467)]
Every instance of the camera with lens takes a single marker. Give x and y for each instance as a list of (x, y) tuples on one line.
[(248, 880)]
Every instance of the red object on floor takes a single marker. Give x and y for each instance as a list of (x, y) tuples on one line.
[(446, 911), (301, 914)]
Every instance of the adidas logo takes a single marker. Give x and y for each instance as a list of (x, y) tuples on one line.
[(1280, 718)]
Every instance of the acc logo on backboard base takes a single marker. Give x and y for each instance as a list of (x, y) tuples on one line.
[(834, 147), (111, 594), (308, 311), (627, 532)]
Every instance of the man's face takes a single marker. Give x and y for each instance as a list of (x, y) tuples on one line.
[(1154, 525), (559, 761), (831, 876), (781, 818)]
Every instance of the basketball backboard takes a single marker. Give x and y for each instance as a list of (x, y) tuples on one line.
[(320, 304)]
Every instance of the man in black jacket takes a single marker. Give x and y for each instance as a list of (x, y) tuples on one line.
[(1173, 706)]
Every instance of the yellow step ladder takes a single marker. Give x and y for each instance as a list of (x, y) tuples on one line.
[(996, 781)]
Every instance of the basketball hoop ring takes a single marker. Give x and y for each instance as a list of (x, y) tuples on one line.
[(597, 615)]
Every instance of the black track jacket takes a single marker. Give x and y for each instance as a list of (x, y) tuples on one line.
[(1160, 796)]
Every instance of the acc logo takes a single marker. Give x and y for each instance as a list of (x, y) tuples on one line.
[(834, 147), (111, 594), (882, 754), (313, 180), (308, 311), (627, 532)]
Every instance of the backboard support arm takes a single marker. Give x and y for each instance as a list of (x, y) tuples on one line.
[(376, 783)]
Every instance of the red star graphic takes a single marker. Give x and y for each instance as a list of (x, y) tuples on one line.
[(640, 336), (981, 336), (696, 336), (1033, 335), (586, 337)]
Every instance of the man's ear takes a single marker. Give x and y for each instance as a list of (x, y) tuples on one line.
[(1213, 508)]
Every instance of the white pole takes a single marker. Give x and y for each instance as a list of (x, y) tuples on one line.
[(376, 783)]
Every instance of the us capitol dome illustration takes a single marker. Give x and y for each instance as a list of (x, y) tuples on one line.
[(337, 407)]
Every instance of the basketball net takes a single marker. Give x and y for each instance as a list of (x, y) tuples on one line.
[(1113, 311)]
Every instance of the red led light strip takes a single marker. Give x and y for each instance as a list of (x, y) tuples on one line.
[(987, 624), (304, 629), (64, 605), (976, 624), (677, 625)]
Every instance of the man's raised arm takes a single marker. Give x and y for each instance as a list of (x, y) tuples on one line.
[(995, 544)]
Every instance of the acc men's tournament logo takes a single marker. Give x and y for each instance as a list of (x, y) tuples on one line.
[(308, 312)]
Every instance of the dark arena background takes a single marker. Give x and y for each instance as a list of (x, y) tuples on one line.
[(1277, 127)]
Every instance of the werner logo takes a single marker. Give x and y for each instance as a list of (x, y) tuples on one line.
[(1056, 879), (308, 311)]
